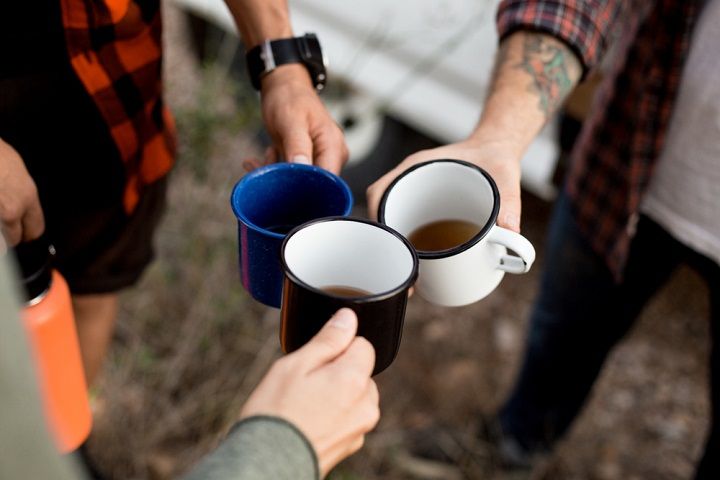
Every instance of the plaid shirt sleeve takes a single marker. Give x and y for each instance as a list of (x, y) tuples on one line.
[(584, 25)]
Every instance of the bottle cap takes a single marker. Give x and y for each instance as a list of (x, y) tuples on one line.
[(35, 260)]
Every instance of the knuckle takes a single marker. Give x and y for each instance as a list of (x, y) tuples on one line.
[(326, 343), (365, 348), (282, 366), (11, 211), (355, 381), (360, 443), (373, 417)]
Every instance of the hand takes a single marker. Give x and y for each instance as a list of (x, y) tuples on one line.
[(301, 128), (500, 160), (325, 390), (21, 216)]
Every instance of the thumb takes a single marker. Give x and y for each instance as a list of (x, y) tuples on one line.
[(332, 340), (298, 146), (510, 208)]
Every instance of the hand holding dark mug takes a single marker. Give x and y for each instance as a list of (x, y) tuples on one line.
[(338, 262)]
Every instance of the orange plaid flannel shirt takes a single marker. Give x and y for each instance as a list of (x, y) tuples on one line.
[(115, 49)]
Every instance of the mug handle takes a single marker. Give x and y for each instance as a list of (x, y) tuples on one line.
[(517, 243)]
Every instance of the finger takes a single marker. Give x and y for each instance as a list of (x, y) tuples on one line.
[(375, 192), (297, 145), (12, 232), (356, 445), (271, 155), (33, 222), (331, 152), (373, 393), (510, 209), (371, 415), (250, 164), (331, 341), (359, 358)]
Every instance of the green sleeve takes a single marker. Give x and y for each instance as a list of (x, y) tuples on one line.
[(260, 448)]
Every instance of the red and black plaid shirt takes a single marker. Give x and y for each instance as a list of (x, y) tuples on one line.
[(115, 49), (614, 157)]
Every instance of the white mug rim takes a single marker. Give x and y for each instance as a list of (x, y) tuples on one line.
[(489, 224)]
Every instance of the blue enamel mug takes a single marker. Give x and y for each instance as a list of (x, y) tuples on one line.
[(268, 203)]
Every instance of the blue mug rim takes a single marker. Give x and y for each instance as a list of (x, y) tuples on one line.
[(283, 166)]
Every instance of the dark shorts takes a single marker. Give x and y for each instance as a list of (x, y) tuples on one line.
[(106, 250)]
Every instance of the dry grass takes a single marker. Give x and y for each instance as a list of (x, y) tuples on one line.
[(191, 344)]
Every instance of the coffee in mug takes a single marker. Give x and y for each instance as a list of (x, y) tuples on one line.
[(443, 234), (343, 291)]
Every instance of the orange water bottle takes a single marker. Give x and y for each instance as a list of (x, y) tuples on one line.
[(50, 324)]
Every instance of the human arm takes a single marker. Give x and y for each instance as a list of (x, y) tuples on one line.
[(545, 48), (301, 128), (21, 216), (317, 403)]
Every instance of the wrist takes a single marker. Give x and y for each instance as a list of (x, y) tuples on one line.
[(502, 141), (288, 74)]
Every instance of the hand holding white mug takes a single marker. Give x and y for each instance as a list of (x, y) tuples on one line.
[(449, 210), (325, 390), (499, 159)]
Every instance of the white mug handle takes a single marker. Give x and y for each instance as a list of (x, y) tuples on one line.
[(517, 243)]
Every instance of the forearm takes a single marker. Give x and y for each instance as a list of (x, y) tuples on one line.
[(534, 73), (259, 20)]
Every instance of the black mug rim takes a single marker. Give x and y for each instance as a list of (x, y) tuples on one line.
[(489, 224), (404, 286)]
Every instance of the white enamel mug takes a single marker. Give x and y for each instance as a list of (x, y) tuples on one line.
[(455, 190)]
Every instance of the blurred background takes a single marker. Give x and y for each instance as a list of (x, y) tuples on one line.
[(191, 344)]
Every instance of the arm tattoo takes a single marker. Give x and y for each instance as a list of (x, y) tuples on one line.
[(548, 62)]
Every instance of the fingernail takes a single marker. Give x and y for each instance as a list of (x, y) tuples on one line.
[(512, 222), (342, 319), (301, 159)]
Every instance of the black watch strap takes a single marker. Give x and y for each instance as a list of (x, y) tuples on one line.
[(264, 58)]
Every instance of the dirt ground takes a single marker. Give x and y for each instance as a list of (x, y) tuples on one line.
[(191, 344)]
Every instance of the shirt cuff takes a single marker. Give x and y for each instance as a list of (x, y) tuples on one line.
[(583, 25)]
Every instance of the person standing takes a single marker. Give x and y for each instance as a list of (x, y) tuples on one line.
[(86, 142), (641, 196)]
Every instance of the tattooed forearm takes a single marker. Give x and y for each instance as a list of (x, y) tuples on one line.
[(553, 69)]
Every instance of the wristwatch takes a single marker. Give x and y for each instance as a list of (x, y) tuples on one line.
[(270, 54)]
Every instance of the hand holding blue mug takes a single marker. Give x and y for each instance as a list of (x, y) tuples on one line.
[(334, 263)]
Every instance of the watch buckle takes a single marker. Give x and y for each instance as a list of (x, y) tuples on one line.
[(266, 53)]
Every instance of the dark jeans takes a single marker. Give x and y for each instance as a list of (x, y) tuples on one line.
[(581, 313)]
